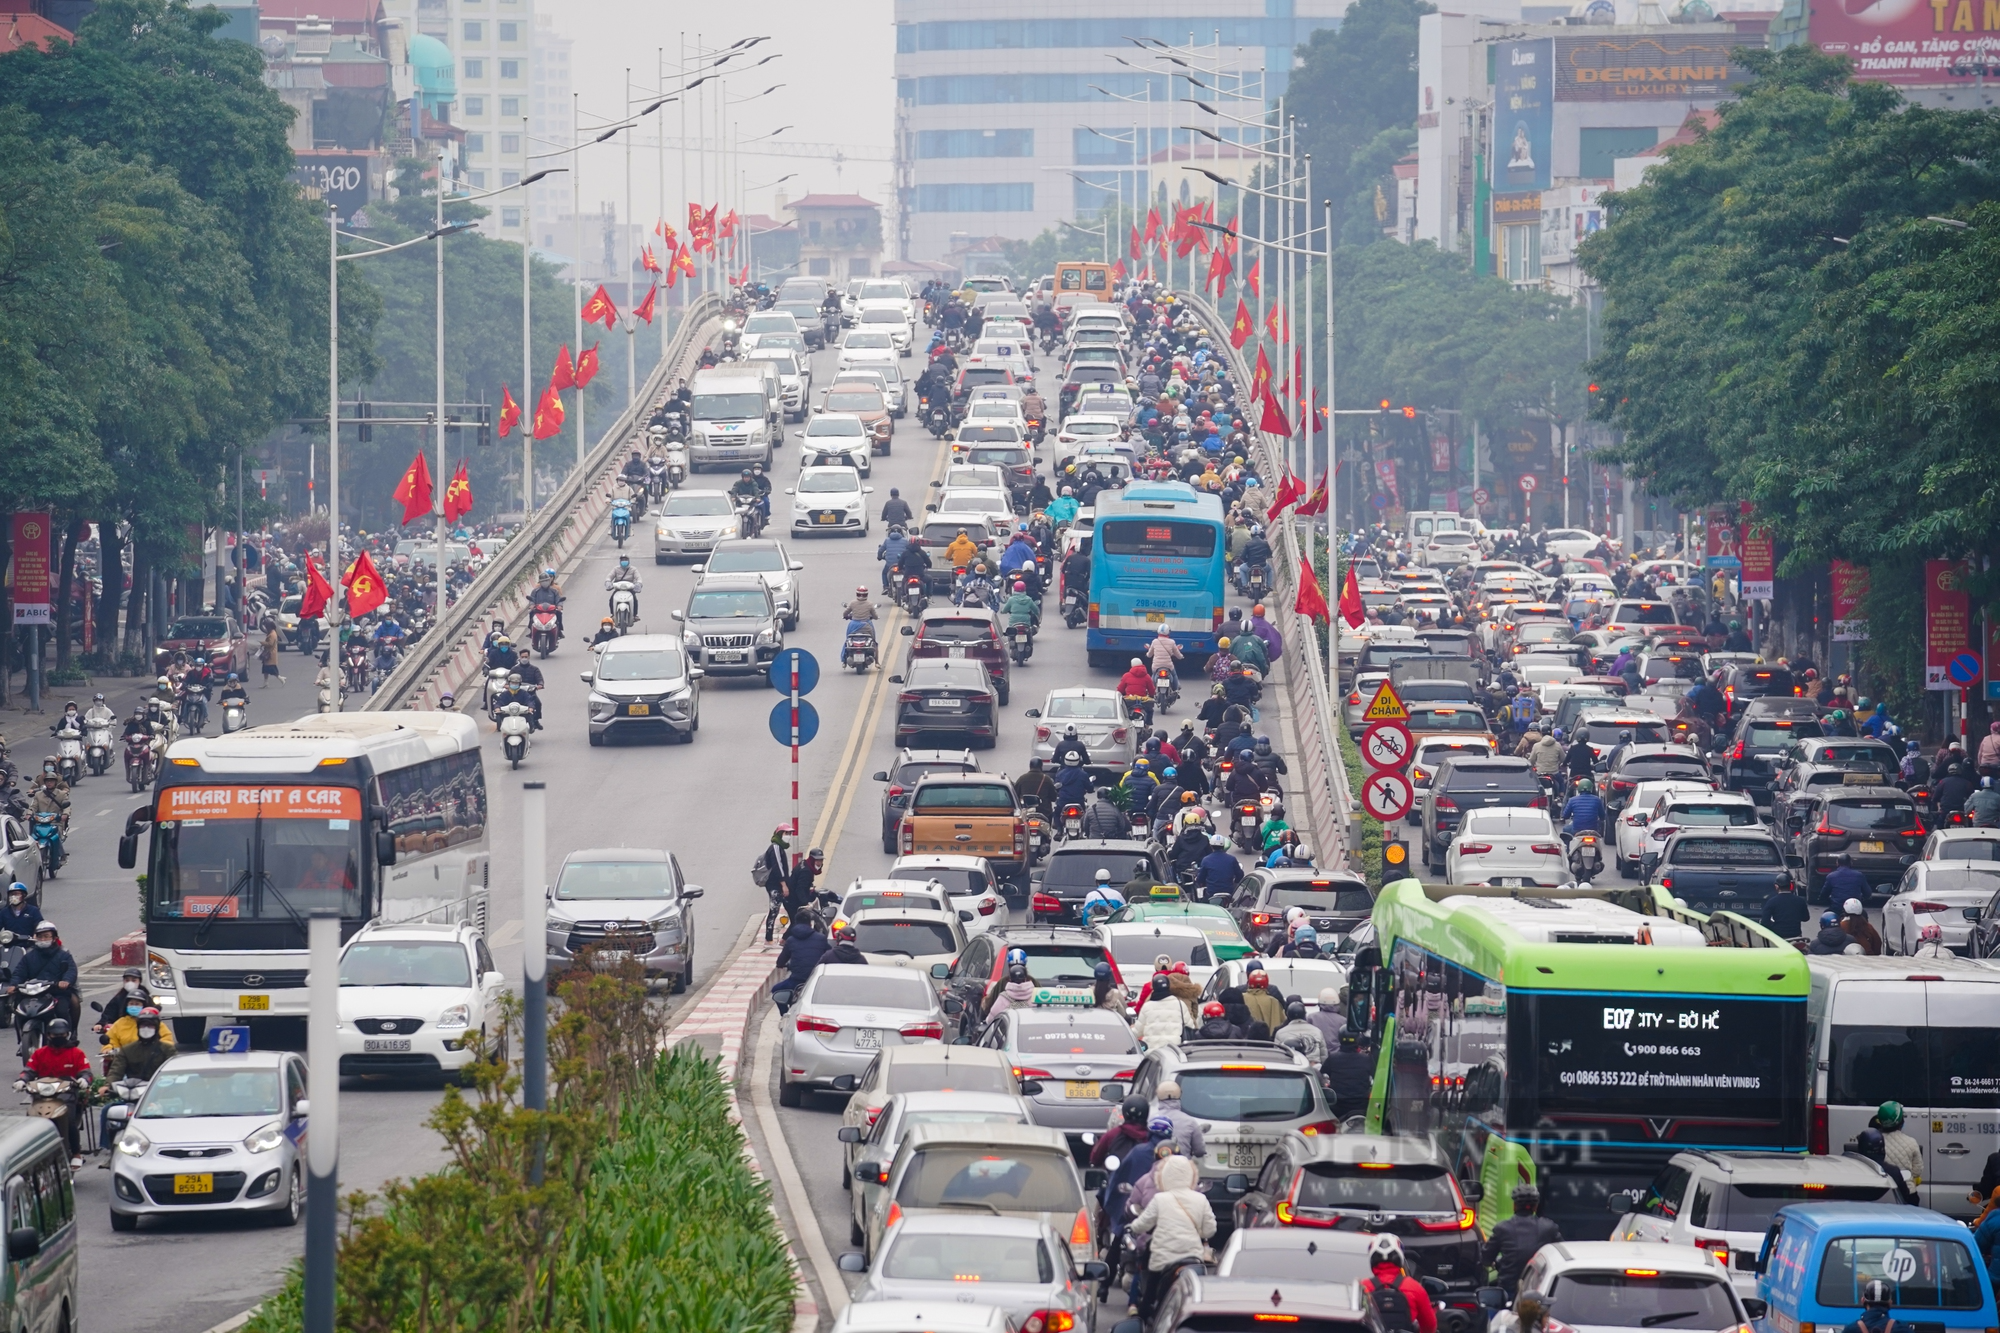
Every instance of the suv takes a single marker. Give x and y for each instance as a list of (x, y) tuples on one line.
[(733, 627), (1057, 956), (435, 983), (1624, 1284), (902, 775), (1723, 1202), (1712, 869), (1472, 783), (1398, 1186), (1335, 903), (1649, 763), (1753, 747), (1876, 826), (1744, 683), (766, 558), (1059, 884), (1248, 1095), (968, 631), (632, 901)]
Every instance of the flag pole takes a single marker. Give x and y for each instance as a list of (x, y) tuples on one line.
[(527, 318), (332, 419), (438, 245)]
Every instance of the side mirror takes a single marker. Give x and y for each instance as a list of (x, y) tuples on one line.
[(1755, 1308), (930, 509), (23, 1243), (790, 491), (1434, 1285), (1093, 1270), (909, 631), (696, 673), (964, 915), (881, 775), (1111, 1092), (848, 1133), (1031, 1087), (1795, 861), (1236, 1182), (1472, 1190), (678, 615), (1032, 712), (587, 677), (952, 1005), (1622, 1201), (937, 485), (941, 971), (1492, 1298), (796, 565), (128, 850), (302, 1107), (853, 1261), (1970, 913), (692, 891), (385, 847), (895, 680), (845, 1083), (869, 1173), (699, 569), (868, 490)]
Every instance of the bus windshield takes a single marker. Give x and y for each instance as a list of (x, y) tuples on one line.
[(1159, 537), (235, 853)]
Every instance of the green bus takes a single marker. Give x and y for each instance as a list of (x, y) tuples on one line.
[(1577, 1039)]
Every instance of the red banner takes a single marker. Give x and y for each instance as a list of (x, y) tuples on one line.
[(31, 569), (287, 802), (1760, 564), (1850, 595), (1947, 620), (1440, 454)]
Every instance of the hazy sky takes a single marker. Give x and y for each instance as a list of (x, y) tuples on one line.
[(837, 62)]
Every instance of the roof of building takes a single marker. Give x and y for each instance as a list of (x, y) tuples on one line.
[(1696, 124), (19, 30), (759, 223), (340, 13), (832, 201)]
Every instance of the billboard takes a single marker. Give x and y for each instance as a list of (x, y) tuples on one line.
[(1623, 69), (1523, 115), (1947, 620), (339, 178), (1719, 548), (1850, 595), (31, 569), (1759, 564), (1910, 41)]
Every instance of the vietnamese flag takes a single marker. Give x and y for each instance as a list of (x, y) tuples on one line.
[(458, 495), (317, 594), (599, 309), (1118, 273), (562, 377), (1315, 504), (1311, 602), (1260, 374), (1229, 238), (683, 262), (728, 228), (1351, 608), (1274, 422), (647, 261), (1273, 318), (1289, 491), (365, 589), (586, 367), (1254, 279), (1135, 249), (1219, 269), (510, 413), (644, 310), (665, 231), (549, 413), (1152, 225), (1242, 326), (414, 490)]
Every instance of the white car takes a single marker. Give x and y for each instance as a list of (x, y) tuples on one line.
[(837, 434), (843, 1017), (1138, 944), (1934, 893), (1693, 806), (865, 347), (994, 508), (691, 522), (762, 322), (874, 1129), (1447, 550), (830, 499), (1628, 831), (893, 319), (794, 378), (1507, 847), (1009, 352), (908, 936), (1614, 1286), (1978, 845), (970, 880), (1537, 672), (240, 1118), (1079, 429), (1570, 543), (989, 410), (972, 476), (1098, 716), (417, 999)]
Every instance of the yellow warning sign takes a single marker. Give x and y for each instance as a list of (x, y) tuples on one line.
[(1386, 706)]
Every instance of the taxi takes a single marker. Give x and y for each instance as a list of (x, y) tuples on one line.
[(1452, 721), (1071, 1048), (1225, 940)]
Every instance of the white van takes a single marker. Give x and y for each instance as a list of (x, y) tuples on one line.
[(1420, 524), (1921, 1031), (733, 422)]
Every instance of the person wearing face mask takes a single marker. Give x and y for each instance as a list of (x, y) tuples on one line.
[(19, 914), (122, 1012), (152, 1044), (49, 961), (60, 1058)]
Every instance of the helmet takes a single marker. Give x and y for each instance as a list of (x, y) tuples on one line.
[(1222, 642), (1102, 972), (46, 925), (1828, 919), (1585, 785), (862, 592), (1295, 1008), (1137, 662), (1069, 732), (549, 573), (1163, 633), (513, 678), (1134, 1110), (1889, 1115), (1873, 1292), (846, 933), (58, 1031), (1103, 876), (1017, 957), (605, 621), (1931, 934), (1258, 980), (1385, 1250), (1852, 907), (1306, 935), (1213, 1009), (1526, 1198), (1160, 1127)]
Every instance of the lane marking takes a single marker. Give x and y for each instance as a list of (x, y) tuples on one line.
[(805, 1221)]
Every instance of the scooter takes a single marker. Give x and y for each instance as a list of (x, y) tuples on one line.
[(56, 1099), (542, 634), (656, 478), (1244, 817), (677, 462), (1586, 858), (139, 762), (69, 755), (621, 521), (857, 647), (46, 828), (515, 720), (97, 750), (328, 691), (1256, 582), (1073, 612), (750, 518), (194, 706), (624, 604), (1040, 843), (1020, 643), (234, 715), (914, 598), (1166, 690), (125, 1095), (34, 1006), (1072, 821), (354, 669), (496, 685), (937, 420)]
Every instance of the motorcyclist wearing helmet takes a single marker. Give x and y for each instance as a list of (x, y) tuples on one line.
[(49, 961), (1300, 1035), (1256, 553), (1069, 745), (896, 510), (502, 654), (846, 947), (1899, 1148), (1389, 1279), (151, 1046), (1127, 1134), (544, 593), (60, 1058), (1014, 987), (518, 692), (1584, 812), (1786, 911), (607, 630), (623, 572), (1219, 872), (1179, 1218), (1875, 1317), (1103, 819), (1101, 901), (20, 915), (1248, 650), (890, 553), (1546, 756), (1514, 1242), (1932, 943)]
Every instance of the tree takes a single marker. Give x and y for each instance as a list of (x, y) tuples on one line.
[(1353, 83)]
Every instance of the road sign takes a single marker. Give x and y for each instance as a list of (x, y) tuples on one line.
[(1386, 745), (1386, 795), (1528, 483), (1386, 706), (781, 722), (1482, 497), (1963, 668), (780, 674), (229, 1041), (1380, 501)]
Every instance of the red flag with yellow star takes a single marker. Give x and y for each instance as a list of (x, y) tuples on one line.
[(1260, 374), (549, 413), (647, 261), (1219, 269), (510, 413), (1254, 279), (414, 490), (1311, 602), (644, 310), (458, 495), (365, 589), (317, 594), (1242, 326), (563, 376)]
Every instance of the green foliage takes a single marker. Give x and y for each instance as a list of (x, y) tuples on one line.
[(1354, 82)]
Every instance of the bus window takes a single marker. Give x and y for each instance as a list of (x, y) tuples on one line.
[(1069, 279)]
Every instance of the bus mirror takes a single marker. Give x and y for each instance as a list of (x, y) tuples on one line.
[(385, 847), (128, 851)]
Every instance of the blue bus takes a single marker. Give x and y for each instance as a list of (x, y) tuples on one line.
[(1157, 553)]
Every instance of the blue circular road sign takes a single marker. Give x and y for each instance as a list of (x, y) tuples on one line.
[(1963, 668), (780, 674), (781, 721)]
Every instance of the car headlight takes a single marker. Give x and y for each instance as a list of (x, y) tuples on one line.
[(267, 1139), (134, 1144), (159, 973), (691, 639), (767, 636), (456, 1017), (598, 699)]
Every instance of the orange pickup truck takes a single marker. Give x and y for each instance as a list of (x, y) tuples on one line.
[(969, 814)]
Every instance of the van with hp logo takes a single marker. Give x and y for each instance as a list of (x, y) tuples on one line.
[(1817, 1257)]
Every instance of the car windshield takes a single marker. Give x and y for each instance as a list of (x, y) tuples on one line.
[(1078, 869), (1049, 963), (1322, 897), (854, 402), (1377, 1188), (1000, 457), (826, 483), (867, 341), (1642, 613), (958, 883), (850, 427), (684, 504), (906, 939), (1086, 707), (640, 664), (1136, 953), (1447, 719), (1609, 733), (722, 603), (1632, 1299), (1715, 814), (728, 406), (405, 963), (886, 988), (586, 880), (784, 365), (1082, 1032), (1779, 730), (198, 627), (962, 796), (883, 291), (770, 321), (1857, 756), (183, 1094), (1289, 1263), (1726, 852), (1250, 1092), (959, 1257), (1972, 878), (1871, 814), (883, 315), (971, 504), (746, 560), (1017, 1181), (956, 631), (1738, 1207)]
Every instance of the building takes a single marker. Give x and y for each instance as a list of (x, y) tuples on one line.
[(327, 60), (26, 28), (550, 111), (839, 235), (1013, 124)]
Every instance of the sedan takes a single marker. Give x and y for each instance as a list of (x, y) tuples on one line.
[(845, 1016), (903, 936), (1072, 1051), (691, 522), (1937, 895), (1018, 1265), (1098, 717), (868, 403), (239, 1118), (948, 697), (866, 347), (1570, 543), (994, 508), (971, 881), (1081, 429), (875, 1130), (1513, 847), (836, 438), (891, 319), (829, 499), (1629, 830)]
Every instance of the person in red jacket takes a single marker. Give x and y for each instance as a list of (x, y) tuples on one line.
[(1400, 1300), (60, 1058), (1137, 683)]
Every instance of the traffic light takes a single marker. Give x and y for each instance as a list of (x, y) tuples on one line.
[(365, 433), (1385, 404), (483, 437), (1395, 859)]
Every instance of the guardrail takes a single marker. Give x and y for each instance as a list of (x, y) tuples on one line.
[(450, 656), (1329, 803)]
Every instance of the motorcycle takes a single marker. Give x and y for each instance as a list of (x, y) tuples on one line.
[(47, 831), (656, 478), (829, 328), (1142, 827), (1166, 690), (1139, 708), (542, 630), (1020, 643), (34, 1006), (1072, 821), (1040, 839), (914, 599), (1037, 429), (621, 521), (937, 420), (139, 762), (125, 1095), (194, 706), (624, 604), (329, 698), (69, 755), (515, 720), (97, 749), (750, 518), (857, 648), (56, 1099), (1244, 818), (1586, 858), (1073, 612), (496, 685), (1256, 582), (354, 669), (234, 714)]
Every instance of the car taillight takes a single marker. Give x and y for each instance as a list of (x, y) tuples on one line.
[(1622, 784), (1041, 733), (1446, 803), (809, 1023), (1549, 848), (1022, 1071), (1736, 750), (1260, 918), (1716, 1246), (1829, 829), (1475, 848), (907, 697), (1020, 837), (988, 907), (1043, 902), (1465, 1221), (1916, 831), (1666, 881), (1817, 1142), (895, 791), (1215, 619), (1049, 1321), (1540, 802), (1291, 1217), (935, 1031), (1079, 1230), (893, 1216), (1354, 700), (1125, 1074), (1321, 1127), (907, 834), (1119, 735), (1929, 907), (1093, 615)]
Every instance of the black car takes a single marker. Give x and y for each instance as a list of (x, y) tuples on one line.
[(1754, 747), (1057, 955), (1827, 765), (1387, 1185), (1474, 782), (947, 697), (1649, 763), (1983, 940), (902, 775), (1876, 827), (1335, 903), (1744, 683), (1713, 869), (1059, 884)]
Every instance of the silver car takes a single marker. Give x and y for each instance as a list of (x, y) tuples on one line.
[(691, 522), (1021, 1266), (620, 902), (903, 1112), (1099, 719), (215, 1134), (843, 1017), (766, 558), (1072, 1052), (643, 684)]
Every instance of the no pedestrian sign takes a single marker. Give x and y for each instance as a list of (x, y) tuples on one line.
[(1386, 745), (1386, 795), (1386, 706)]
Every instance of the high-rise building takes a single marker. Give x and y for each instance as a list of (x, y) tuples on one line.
[(549, 114), (491, 42), (1013, 124)]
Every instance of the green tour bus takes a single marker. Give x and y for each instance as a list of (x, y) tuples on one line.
[(1577, 1039)]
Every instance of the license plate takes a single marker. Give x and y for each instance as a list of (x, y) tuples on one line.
[(946, 703), (639, 710), (726, 657), (828, 518), (1511, 882), (1156, 617), (385, 1044), (869, 1038), (247, 1003), (1863, 779), (1873, 847), (201, 1184), (1245, 1154), (1080, 1092)]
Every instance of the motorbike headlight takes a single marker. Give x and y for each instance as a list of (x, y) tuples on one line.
[(268, 1139), (134, 1144), (456, 1017), (159, 973)]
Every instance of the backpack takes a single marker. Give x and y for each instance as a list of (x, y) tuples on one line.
[(760, 872), (1392, 1307)]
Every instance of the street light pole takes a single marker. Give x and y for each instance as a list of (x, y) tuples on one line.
[(333, 568), (437, 484), (527, 423)]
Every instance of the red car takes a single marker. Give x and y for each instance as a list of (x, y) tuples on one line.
[(215, 634)]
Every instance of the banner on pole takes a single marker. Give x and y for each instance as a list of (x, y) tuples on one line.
[(1759, 564), (1947, 620), (1850, 593), (31, 568)]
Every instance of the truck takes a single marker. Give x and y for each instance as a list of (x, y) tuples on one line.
[(969, 814)]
